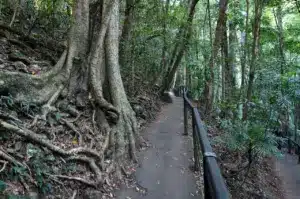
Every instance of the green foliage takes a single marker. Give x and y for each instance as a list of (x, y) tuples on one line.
[(240, 135), (2, 186), (40, 164)]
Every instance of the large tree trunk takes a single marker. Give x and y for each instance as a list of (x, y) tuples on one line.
[(208, 90), (126, 128), (92, 58)]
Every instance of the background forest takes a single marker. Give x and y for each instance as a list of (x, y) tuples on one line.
[(239, 59)]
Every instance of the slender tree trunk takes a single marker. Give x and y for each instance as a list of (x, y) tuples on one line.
[(126, 33), (16, 10), (227, 67), (163, 64), (232, 52), (165, 45), (209, 84), (255, 50), (280, 38), (180, 47), (244, 46)]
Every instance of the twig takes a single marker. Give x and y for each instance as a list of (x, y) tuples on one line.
[(93, 120), (54, 179), (74, 194), (24, 183), (9, 158), (36, 118), (105, 145), (7, 116), (77, 117), (4, 165), (73, 128)]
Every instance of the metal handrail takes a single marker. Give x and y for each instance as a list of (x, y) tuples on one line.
[(214, 184)]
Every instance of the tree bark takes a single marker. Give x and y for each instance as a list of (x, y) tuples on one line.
[(163, 68), (255, 50), (126, 32), (180, 47), (278, 19), (244, 46), (126, 128), (208, 90)]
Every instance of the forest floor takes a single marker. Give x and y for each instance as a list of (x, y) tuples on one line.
[(263, 180)]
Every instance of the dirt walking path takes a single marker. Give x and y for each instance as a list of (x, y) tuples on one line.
[(289, 171), (164, 171)]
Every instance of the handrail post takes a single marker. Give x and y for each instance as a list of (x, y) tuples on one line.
[(185, 116), (195, 143), (289, 146), (298, 155), (206, 182)]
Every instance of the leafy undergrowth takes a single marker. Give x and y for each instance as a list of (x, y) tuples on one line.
[(29, 169), (259, 182)]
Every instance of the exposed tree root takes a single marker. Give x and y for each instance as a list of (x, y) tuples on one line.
[(38, 139), (81, 180), (92, 165), (71, 154), (48, 107), (4, 165), (74, 194), (115, 117), (73, 128), (9, 158)]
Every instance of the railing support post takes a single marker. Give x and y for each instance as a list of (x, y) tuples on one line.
[(289, 146), (298, 152), (206, 183), (185, 116), (196, 144)]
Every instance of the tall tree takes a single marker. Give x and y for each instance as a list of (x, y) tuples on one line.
[(183, 36), (258, 8), (208, 90), (244, 46)]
